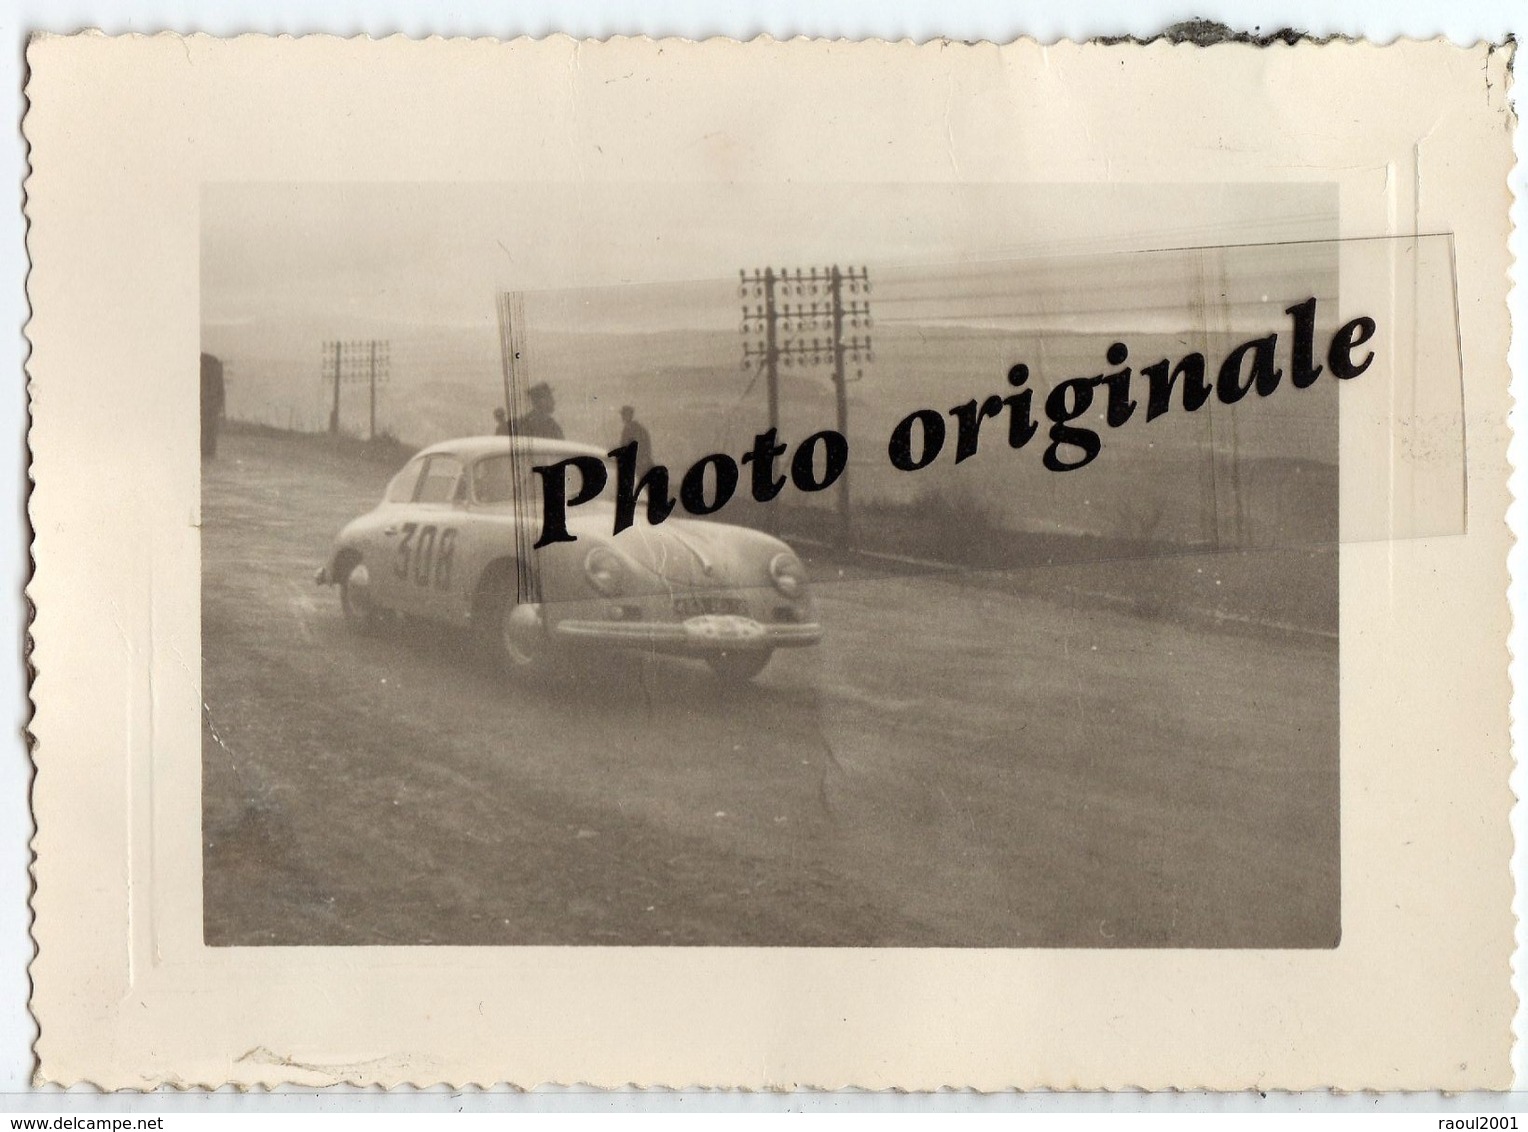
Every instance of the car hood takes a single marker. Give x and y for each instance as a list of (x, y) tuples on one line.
[(683, 554)]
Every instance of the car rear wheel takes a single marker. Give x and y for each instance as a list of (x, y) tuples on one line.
[(739, 667)]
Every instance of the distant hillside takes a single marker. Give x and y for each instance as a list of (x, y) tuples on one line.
[(1186, 472)]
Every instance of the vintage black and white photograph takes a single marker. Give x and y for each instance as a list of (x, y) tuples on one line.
[(780, 565)]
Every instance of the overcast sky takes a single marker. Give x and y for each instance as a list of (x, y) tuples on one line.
[(436, 253)]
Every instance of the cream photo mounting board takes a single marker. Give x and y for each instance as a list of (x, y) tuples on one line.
[(125, 133)]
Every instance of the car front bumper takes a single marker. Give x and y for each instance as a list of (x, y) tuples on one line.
[(696, 635)]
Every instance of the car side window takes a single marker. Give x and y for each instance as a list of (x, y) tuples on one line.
[(438, 484), (491, 481), (401, 489)]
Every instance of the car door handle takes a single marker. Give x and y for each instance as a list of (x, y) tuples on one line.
[(389, 531)]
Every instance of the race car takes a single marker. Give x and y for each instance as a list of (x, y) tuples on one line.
[(453, 540)]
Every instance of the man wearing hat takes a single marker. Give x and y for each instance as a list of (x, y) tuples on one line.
[(539, 421)]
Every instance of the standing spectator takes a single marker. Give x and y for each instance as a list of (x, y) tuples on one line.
[(539, 421), (500, 423), (632, 432), (212, 404)]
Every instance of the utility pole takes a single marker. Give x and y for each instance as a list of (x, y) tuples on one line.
[(856, 312), (334, 413), (511, 309), (759, 321), (514, 355), (371, 429), (347, 362), (775, 334), (771, 347)]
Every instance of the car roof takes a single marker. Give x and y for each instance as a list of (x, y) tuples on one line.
[(476, 447)]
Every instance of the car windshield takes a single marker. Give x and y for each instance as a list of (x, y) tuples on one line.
[(493, 478), (401, 489)]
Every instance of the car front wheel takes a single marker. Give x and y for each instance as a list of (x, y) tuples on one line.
[(512, 633), (356, 602)]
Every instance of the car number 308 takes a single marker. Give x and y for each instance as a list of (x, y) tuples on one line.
[(425, 555)]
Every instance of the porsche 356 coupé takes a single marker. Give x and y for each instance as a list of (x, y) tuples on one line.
[(452, 541)]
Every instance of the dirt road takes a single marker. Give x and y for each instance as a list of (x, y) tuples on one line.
[(956, 765)]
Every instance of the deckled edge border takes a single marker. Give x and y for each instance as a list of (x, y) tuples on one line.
[(1200, 33)]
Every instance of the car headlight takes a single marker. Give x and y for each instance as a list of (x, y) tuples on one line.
[(605, 571), (786, 572)]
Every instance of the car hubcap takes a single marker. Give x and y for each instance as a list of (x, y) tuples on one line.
[(522, 632), (357, 595)]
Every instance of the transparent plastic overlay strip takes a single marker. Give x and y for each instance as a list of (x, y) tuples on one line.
[(1011, 415)]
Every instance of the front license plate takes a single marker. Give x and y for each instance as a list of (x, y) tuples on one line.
[(695, 605), (721, 627)]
